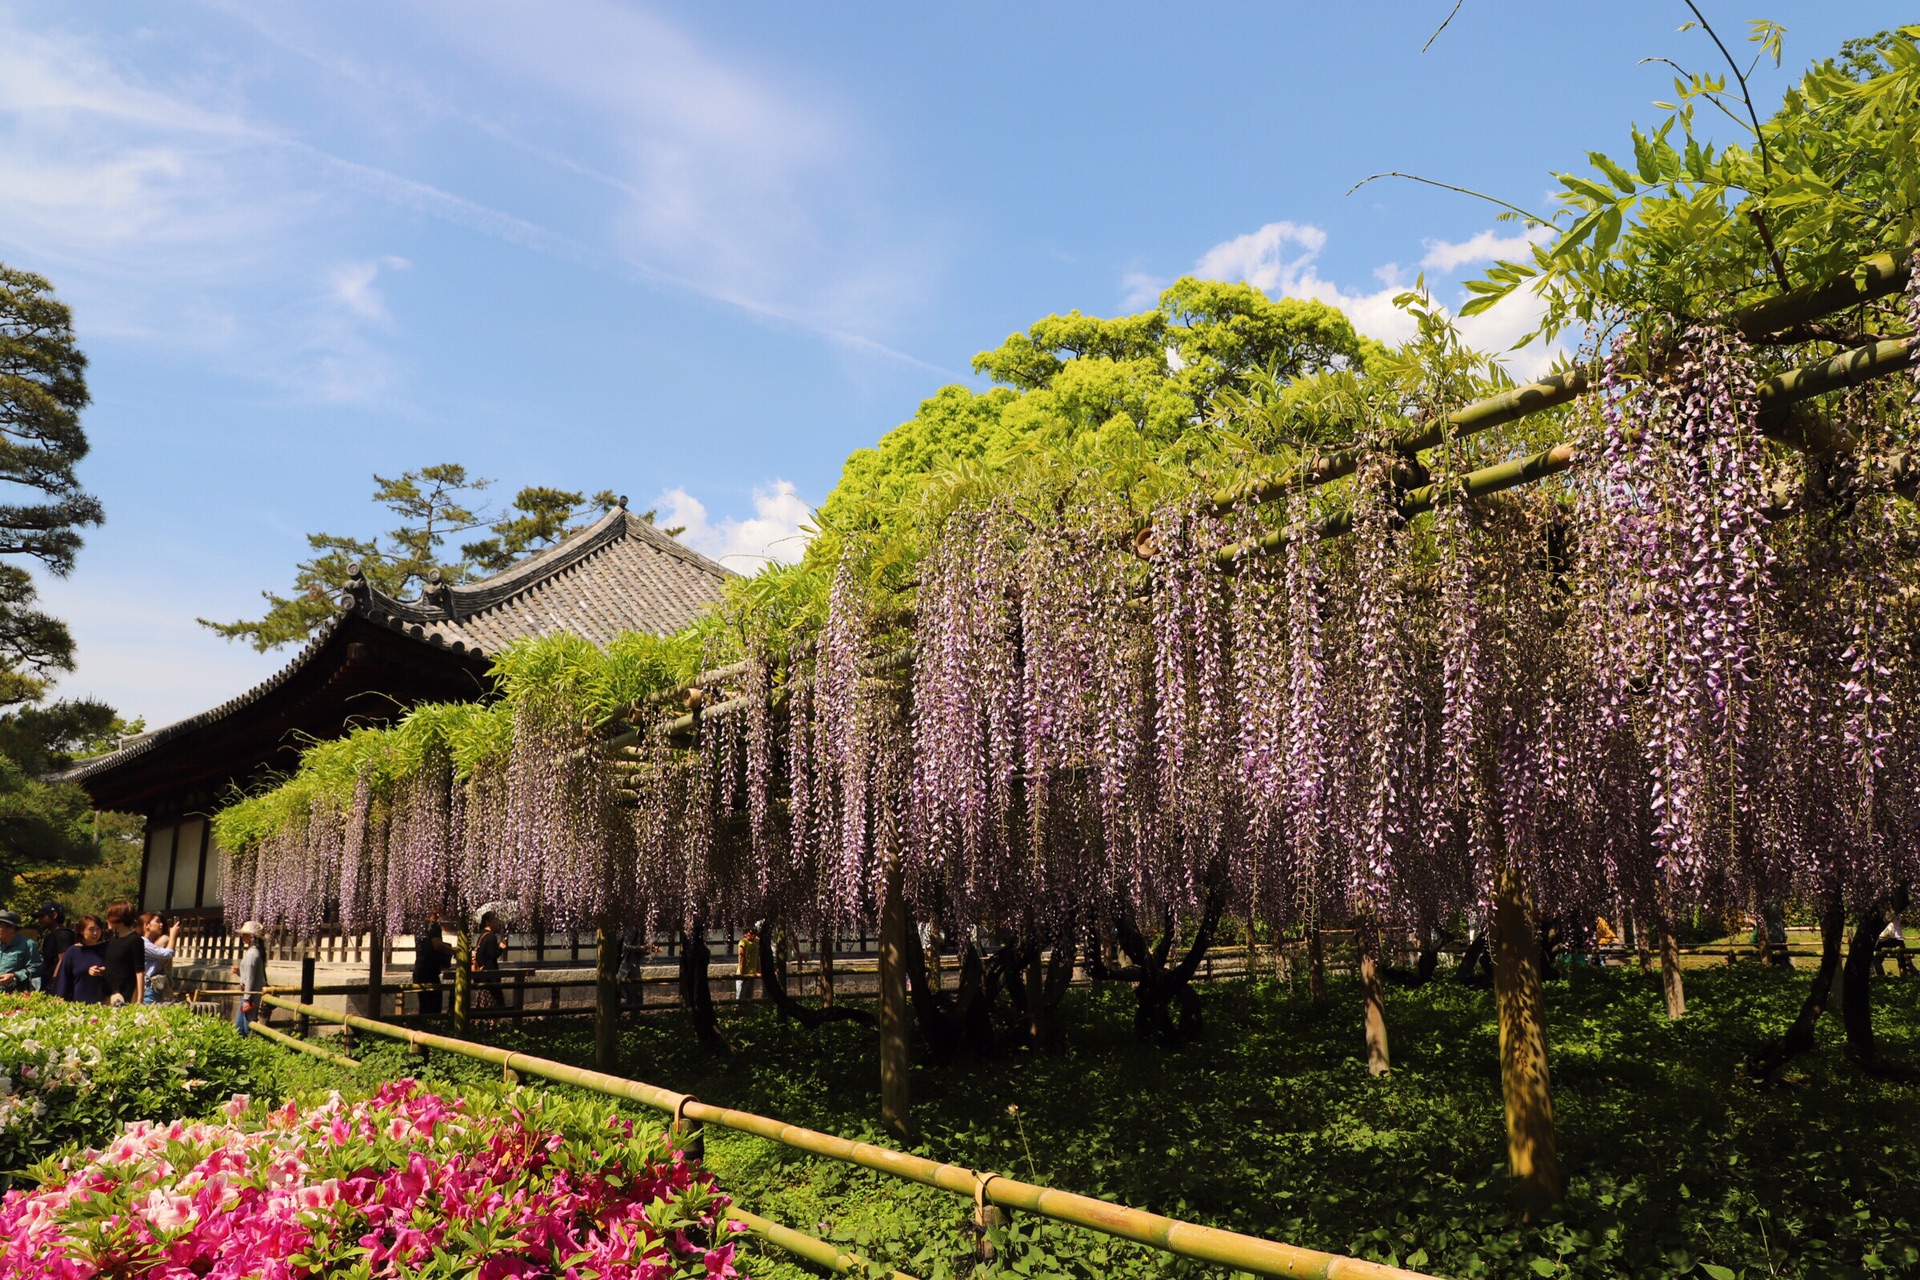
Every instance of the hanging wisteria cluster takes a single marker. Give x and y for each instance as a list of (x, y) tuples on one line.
[(1652, 688)]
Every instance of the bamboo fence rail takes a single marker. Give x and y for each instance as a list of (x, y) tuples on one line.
[(1186, 1239)]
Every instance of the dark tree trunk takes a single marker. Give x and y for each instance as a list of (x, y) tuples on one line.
[(1162, 990), (1856, 1001), (787, 1007), (1476, 966), (1316, 965), (696, 991), (1799, 1037)]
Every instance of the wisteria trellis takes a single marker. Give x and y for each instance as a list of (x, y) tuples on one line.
[(1641, 687)]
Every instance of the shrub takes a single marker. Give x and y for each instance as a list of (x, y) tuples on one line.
[(77, 1072), (406, 1182)]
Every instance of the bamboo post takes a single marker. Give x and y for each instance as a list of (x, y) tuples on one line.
[(606, 997), (895, 1101), (304, 1025), (1521, 1005), (1671, 984), (462, 982), (1379, 1061)]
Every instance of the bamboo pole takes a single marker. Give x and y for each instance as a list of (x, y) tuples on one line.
[(294, 1042), (462, 982), (1776, 395), (606, 998), (801, 1245), (1877, 277), (1524, 1082), (1188, 1240), (895, 1096)]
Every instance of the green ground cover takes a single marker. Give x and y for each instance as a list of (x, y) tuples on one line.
[(1678, 1166), (1272, 1126)]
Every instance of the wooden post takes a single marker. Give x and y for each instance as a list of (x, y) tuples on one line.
[(987, 1217), (519, 997), (462, 983), (606, 998), (1379, 1062), (824, 986), (1037, 1022), (376, 973), (1671, 984), (895, 1101), (1316, 965), (1521, 1005), (304, 1025)]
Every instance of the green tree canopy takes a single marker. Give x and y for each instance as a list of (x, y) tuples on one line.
[(1079, 390), (540, 517), (43, 388), (433, 504)]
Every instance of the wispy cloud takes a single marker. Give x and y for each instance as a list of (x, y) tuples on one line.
[(156, 196), (1488, 246), (753, 191), (774, 533), (353, 285)]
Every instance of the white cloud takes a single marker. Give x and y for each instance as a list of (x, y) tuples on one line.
[(1488, 246), (747, 189), (1142, 289), (773, 533), (352, 285), (1280, 259)]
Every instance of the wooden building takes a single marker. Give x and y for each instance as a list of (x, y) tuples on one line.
[(376, 657)]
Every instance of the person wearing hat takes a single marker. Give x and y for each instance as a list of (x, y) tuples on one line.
[(55, 938), (253, 973), (19, 955)]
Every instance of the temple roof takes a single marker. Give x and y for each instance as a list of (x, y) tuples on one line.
[(619, 574), (379, 655)]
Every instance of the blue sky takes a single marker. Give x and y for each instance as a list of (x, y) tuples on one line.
[(698, 253)]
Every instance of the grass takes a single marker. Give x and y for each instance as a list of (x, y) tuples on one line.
[(1677, 1166)]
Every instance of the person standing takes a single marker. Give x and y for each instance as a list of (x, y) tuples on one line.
[(81, 973), (126, 957), (431, 951), (747, 971), (161, 942), (252, 970), (55, 937), (487, 953), (19, 956)]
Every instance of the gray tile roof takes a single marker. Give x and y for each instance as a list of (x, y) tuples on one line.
[(619, 574)]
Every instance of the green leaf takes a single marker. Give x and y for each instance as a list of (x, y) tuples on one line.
[(1621, 178), (1544, 1267), (1718, 1272)]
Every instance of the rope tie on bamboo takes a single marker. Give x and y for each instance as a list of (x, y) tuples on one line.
[(692, 1133), (507, 1070), (986, 1217)]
